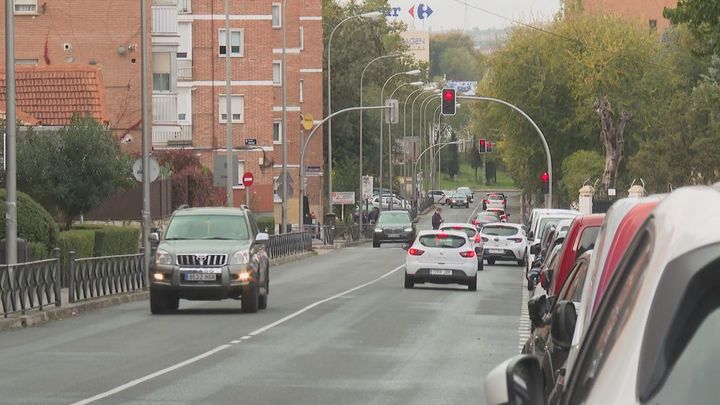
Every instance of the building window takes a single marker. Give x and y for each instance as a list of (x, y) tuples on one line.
[(184, 6), (26, 61), (238, 106), (653, 25), (276, 16), (161, 72), (241, 171), (302, 38), (277, 73), (184, 105), (302, 90), (277, 131), (25, 6), (236, 43)]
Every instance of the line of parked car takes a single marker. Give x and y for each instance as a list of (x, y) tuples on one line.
[(626, 307)]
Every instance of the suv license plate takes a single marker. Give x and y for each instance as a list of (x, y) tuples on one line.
[(394, 235), (441, 272), (199, 277)]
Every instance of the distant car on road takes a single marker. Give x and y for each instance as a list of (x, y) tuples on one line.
[(504, 217), (472, 234), (458, 200), (441, 257), (438, 196), (483, 218), (494, 200), (467, 191), (503, 241), (210, 254), (394, 226)]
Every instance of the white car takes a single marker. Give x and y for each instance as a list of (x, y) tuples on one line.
[(494, 201), (438, 196), (504, 241), (397, 204), (441, 257), (472, 234), (541, 222)]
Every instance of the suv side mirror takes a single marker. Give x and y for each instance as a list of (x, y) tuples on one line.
[(562, 328), (154, 236), (535, 249), (518, 380), (262, 237)]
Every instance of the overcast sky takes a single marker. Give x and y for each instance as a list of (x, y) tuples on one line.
[(451, 14)]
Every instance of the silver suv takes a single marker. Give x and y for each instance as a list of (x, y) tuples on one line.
[(210, 254)]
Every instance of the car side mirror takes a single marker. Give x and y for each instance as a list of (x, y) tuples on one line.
[(537, 308), (154, 236), (535, 249), (562, 328), (416, 220), (545, 278), (515, 381), (405, 246), (262, 237), (530, 235)]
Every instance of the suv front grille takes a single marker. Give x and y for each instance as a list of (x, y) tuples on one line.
[(201, 260)]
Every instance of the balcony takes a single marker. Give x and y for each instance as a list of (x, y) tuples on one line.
[(184, 69), (164, 20), (183, 7), (165, 108), (171, 135)]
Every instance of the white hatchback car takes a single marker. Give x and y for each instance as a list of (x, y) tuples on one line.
[(504, 241), (441, 257), (472, 234)]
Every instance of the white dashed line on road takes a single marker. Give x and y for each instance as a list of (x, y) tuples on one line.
[(524, 323)]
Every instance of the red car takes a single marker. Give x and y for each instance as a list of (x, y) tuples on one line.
[(580, 238)]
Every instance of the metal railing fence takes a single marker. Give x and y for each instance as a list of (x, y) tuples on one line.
[(30, 285), (287, 244), (100, 276)]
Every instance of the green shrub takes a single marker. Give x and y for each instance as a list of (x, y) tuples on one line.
[(113, 240), (266, 223), (37, 251), (82, 241), (34, 223)]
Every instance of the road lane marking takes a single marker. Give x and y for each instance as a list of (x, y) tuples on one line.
[(314, 304), (151, 376), (524, 324), (235, 341), (199, 357)]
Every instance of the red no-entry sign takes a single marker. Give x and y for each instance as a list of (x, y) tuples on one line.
[(248, 179)]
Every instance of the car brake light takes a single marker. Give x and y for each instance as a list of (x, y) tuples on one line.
[(456, 227), (415, 252), (516, 240), (477, 238), (474, 222), (469, 253)]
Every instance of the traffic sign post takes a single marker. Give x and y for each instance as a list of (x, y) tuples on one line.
[(247, 180)]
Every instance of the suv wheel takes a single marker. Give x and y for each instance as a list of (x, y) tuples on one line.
[(250, 298), (491, 261), (162, 302), (263, 298), (481, 266), (376, 244)]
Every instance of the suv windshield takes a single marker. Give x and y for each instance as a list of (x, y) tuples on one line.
[(389, 218), (231, 227)]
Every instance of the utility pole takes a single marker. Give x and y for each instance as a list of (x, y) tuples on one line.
[(285, 177), (145, 136), (231, 167), (11, 131)]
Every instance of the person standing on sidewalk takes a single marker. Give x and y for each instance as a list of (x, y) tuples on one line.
[(437, 219)]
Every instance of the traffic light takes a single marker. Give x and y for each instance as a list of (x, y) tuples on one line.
[(489, 146), (448, 102), (545, 180), (482, 146)]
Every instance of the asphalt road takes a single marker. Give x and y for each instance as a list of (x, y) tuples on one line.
[(339, 329)]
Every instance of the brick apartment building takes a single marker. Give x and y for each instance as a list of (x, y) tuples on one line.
[(188, 77), (649, 12)]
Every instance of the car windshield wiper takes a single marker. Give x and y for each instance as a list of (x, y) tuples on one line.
[(219, 238), (178, 238)]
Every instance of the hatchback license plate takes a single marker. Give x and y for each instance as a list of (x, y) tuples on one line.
[(496, 251), (441, 272), (199, 277)]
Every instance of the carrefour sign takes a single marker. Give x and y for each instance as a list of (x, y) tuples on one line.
[(420, 11)]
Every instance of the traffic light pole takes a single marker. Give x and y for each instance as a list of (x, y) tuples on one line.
[(549, 200)]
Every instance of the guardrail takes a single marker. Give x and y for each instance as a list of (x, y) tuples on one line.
[(286, 244), (30, 285), (99, 276)]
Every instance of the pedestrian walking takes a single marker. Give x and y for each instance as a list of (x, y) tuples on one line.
[(437, 219)]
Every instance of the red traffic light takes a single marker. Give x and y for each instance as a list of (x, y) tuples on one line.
[(545, 177), (448, 94), (482, 146), (448, 101), (482, 142)]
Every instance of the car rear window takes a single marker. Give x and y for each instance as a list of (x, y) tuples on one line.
[(442, 241), (495, 197), (470, 232), (488, 218), (500, 230)]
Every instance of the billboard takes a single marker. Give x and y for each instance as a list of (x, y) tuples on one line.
[(419, 44), (463, 88)]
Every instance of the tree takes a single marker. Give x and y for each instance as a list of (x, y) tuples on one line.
[(475, 159), (454, 56), (451, 158), (74, 169), (578, 167), (612, 136), (701, 17), (192, 182)]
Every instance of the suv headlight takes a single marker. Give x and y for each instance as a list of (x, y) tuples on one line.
[(240, 257), (409, 229), (163, 257), (378, 230)]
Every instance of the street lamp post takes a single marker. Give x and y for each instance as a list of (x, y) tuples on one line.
[(431, 141), (412, 129), (414, 72), (436, 128), (390, 141), (362, 76), (374, 15), (405, 152), (420, 156)]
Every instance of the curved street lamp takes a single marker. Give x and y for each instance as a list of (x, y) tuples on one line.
[(374, 15), (362, 76), (405, 167)]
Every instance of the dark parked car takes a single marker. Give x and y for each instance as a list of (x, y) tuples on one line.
[(459, 200), (394, 226)]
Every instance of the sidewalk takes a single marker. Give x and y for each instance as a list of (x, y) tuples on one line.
[(50, 312)]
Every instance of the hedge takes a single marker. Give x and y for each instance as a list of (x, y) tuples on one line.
[(113, 240), (82, 241), (37, 251), (34, 223)]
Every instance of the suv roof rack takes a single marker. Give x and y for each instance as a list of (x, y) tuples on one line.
[(182, 207)]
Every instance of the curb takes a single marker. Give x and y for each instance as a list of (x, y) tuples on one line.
[(51, 313)]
